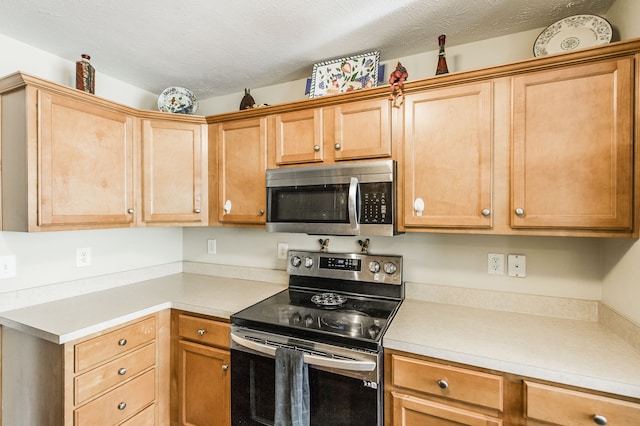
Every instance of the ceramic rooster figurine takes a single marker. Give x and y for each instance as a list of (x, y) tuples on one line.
[(396, 80)]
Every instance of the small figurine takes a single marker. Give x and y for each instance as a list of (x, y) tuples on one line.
[(247, 101), (364, 246), (396, 80), (324, 245)]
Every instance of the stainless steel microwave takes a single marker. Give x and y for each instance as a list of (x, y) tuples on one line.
[(341, 199)]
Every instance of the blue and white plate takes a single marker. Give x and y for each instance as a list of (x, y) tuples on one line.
[(177, 100), (573, 32)]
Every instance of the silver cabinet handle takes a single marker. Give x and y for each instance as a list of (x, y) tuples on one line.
[(600, 420), (197, 211), (316, 148), (122, 371), (261, 212), (122, 406), (486, 212), (337, 147), (122, 342), (520, 211), (225, 367), (442, 384), (131, 211), (201, 332)]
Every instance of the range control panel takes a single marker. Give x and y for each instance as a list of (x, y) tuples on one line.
[(385, 269)]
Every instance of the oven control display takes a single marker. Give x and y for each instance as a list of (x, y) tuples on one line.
[(340, 263)]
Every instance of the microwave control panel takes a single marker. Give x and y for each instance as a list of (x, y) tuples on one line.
[(376, 203)]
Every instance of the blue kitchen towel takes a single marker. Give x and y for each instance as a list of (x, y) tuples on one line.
[(292, 389)]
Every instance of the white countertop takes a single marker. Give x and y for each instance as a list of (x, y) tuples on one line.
[(75, 317), (572, 352)]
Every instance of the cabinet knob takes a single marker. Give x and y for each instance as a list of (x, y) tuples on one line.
[(131, 211), (261, 212), (225, 367), (227, 206), (337, 147), (197, 211), (316, 148), (122, 406), (520, 211), (201, 332), (442, 384), (122, 371), (486, 212), (599, 420), (122, 342), (418, 206)]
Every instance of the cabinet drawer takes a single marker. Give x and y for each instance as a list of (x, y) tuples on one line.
[(113, 373), (146, 417), (204, 330), (451, 382), (567, 407), (417, 411), (102, 348), (119, 404)]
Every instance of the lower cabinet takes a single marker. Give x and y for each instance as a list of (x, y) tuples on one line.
[(201, 369), (115, 377), (424, 391)]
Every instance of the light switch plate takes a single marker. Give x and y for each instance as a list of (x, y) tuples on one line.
[(517, 265)]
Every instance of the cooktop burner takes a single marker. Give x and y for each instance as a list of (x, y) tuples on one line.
[(345, 299)]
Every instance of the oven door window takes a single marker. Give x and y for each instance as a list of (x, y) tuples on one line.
[(335, 399), (309, 204)]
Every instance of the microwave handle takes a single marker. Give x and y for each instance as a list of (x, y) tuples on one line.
[(352, 203)]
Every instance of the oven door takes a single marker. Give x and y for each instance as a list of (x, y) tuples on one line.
[(339, 395)]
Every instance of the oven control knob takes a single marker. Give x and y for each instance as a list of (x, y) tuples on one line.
[(308, 262), (390, 268), (296, 261), (374, 267)]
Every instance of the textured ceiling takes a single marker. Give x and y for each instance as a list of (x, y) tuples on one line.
[(218, 47)]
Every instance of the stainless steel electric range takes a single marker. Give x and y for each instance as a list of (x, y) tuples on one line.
[(335, 311)]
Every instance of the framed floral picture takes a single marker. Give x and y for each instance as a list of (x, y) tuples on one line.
[(345, 74)]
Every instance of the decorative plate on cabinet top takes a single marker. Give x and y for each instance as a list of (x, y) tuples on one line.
[(177, 100), (573, 32)]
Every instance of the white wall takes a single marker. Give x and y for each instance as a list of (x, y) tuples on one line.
[(46, 258), (621, 284)]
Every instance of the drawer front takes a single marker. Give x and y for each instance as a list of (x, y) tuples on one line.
[(102, 348), (204, 330), (567, 407), (451, 382), (412, 411), (119, 404), (113, 373), (146, 417)]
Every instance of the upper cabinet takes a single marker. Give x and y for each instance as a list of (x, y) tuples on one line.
[(67, 162), (71, 160), (242, 162), (573, 147), (448, 143), (174, 178), (327, 134)]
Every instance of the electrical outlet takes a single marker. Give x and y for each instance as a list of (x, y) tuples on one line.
[(211, 246), (517, 265), (495, 263), (283, 249), (7, 266), (83, 257)]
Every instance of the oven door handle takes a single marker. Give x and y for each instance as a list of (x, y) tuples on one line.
[(316, 360)]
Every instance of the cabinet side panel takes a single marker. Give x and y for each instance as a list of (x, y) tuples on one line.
[(14, 160), (32, 380)]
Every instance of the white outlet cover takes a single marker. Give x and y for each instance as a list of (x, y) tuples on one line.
[(83, 257), (7, 266), (495, 263), (211, 247)]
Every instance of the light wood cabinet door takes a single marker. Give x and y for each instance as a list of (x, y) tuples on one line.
[(412, 411), (299, 137), (242, 160), (362, 130), (573, 147), (174, 173), (448, 157), (204, 384), (85, 168)]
